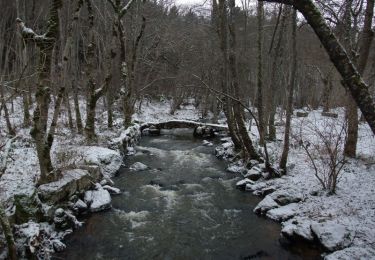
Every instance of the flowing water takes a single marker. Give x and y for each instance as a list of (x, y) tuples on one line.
[(185, 206)]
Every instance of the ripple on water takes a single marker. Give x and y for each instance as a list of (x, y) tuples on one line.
[(136, 219), (169, 196)]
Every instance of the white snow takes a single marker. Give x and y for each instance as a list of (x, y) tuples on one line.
[(332, 236), (283, 213), (98, 199)]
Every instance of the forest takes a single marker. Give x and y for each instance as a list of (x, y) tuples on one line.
[(198, 129)]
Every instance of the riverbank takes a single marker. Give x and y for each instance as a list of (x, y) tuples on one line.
[(342, 223), (43, 216)]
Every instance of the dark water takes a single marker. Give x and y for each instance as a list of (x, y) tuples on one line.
[(195, 211)]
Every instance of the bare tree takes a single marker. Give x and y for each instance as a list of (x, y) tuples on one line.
[(292, 84), (45, 43)]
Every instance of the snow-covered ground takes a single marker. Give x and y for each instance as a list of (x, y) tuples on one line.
[(347, 217)]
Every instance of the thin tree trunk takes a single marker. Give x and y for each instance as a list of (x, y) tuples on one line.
[(292, 84), (260, 73), (7, 230), (237, 109)]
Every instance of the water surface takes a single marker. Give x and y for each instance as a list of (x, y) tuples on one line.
[(185, 206)]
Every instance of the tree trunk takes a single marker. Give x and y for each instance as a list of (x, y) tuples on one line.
[(7, 230), (292, 84), (260, 73), (76, 108), (46, 44), (237, 109)]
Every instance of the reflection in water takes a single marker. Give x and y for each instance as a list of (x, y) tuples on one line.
[(184, 207)]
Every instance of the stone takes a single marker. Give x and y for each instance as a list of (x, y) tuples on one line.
[(207, 143), (302, 114), (58, 246), (283, 213), (285, 197), (27, 208), (112, 190), (265, 205), (138, 166), (296, 230), (242, 183), (330, 114), (72, 181), (352, 253), (332, 236), (253, 174), (80, 206), (98, 199), (264, 192)]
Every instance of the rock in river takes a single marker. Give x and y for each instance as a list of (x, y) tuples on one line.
[(138, 166)]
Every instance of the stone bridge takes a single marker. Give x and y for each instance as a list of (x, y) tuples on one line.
[(200, 129)]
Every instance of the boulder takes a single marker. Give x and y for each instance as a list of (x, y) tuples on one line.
[(283, 213), (255, 186), (98, 199), (242, 183), (302, 114), (332, 236), (265, 205), (352, 253), (72, 181), (330, 114), (112, 190), (27, 208), (285, 197), (207, 143), (253, 174), (80, 206), (138, 166), (295, 230)]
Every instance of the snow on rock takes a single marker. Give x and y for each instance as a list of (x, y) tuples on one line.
[(283, 213), (242, 183), (38, 238), (296, 229), (285, 197), (236, 167), (127, 138), (207, 143), (351, 253), (332, 236), (138, 166), (98, 200), (72, 181), (108, 160), (255, 186), (265, 205), (253, 174), (225, 151), (112, 190), (80, 206)]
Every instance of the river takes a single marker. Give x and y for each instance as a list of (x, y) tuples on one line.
[(185, 206)]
